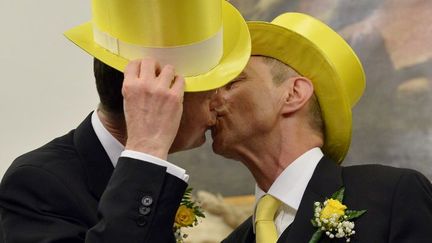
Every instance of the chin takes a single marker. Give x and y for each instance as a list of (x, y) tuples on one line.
[(191, 144), (185, 141), (224, 147), (217, 143), (222, 150), (199, 142), (218, 146)]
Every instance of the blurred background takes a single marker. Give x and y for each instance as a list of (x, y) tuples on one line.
[(47, 85)]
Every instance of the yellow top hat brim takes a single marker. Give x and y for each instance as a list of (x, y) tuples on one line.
[(236, 51), (320, 54)]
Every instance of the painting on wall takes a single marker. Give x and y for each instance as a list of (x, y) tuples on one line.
[(392, 123)]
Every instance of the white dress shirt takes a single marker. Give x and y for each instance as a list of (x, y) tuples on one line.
[(115, 150), (290, 186)]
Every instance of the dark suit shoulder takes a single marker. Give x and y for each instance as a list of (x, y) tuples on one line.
[(411, 209), (379, 169), (58, 157), (53, 168), (377, 183), (389, 195), (377, 175), (242, 234)]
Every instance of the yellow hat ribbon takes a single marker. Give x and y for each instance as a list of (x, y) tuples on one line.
[(211, 48)]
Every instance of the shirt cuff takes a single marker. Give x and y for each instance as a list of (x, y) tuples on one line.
[(171, 168)]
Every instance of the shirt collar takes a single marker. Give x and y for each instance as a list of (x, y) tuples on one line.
[(111, 145), (290, 185)]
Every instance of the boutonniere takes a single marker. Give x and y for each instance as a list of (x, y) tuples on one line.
[(187, 215), (332, 218)]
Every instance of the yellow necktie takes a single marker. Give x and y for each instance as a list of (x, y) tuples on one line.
[(264, 219)]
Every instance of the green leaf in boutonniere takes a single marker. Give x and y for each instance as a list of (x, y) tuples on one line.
[(339, 195), (332, 218), (187, 215)]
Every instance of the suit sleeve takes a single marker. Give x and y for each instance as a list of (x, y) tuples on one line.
[(143, 207), (411, 218), (138, 205)]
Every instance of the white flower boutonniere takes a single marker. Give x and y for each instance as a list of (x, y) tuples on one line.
[(333, 218), (187, 215)]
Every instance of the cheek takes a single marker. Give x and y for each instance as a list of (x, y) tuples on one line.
[(196, 110), (204, 114), (194, 119), (245, 106), (255, 112)]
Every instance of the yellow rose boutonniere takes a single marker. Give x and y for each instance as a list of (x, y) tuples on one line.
[(187, 215), (332, 217), (333, 208)]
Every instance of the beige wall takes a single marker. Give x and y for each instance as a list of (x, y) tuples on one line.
[(46, 82)]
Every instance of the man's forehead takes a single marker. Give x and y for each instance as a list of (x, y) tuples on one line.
[(253, 67), (198, 95)]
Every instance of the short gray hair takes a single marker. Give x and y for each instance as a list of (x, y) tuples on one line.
[(281, 72)]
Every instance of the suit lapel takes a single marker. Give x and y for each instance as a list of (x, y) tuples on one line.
[(326, 179), (242, 234), (94, 158)]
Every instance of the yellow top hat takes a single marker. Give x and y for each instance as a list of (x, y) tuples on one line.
[(317, 52), (206, 40)]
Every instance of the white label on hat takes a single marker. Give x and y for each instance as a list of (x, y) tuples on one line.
[(189, 60)]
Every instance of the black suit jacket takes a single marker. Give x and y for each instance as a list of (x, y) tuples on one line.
[(398, 204), (68, 191)]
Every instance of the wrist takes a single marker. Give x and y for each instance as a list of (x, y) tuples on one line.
[(148, 148)]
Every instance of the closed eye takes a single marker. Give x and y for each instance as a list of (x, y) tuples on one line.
[(234, 83), (231, 85)]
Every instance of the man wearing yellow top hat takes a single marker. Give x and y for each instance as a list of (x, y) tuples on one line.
[(287, 117), (108, 180)]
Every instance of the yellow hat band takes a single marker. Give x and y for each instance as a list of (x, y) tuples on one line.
[(186, 58)]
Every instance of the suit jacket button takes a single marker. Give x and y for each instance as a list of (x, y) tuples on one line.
[(144, 210), (147, 201), (141, 221)]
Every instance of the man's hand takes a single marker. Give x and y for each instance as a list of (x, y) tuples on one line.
[(153, 106)]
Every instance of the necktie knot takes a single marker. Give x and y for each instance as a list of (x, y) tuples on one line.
[(264, 216), (266, 208)]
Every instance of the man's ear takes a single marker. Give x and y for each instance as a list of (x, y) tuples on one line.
[(298, 91)]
